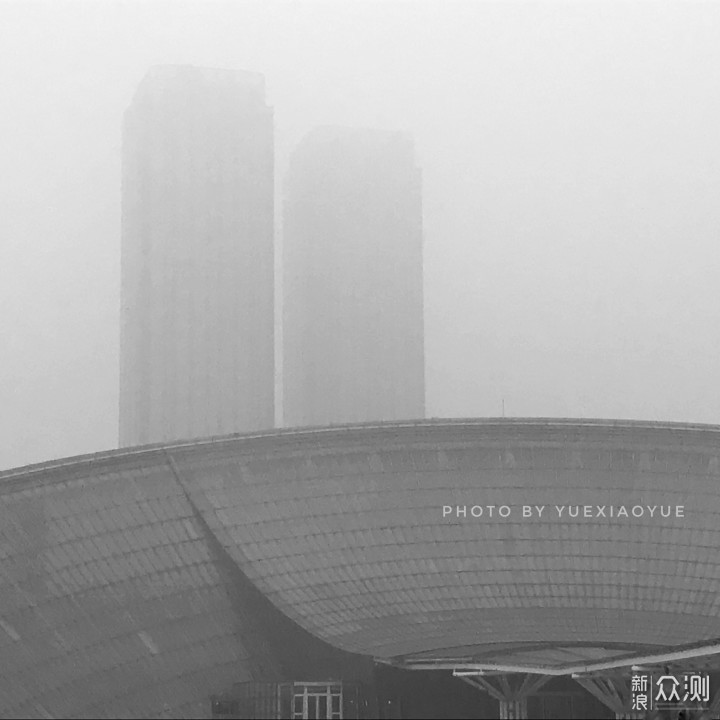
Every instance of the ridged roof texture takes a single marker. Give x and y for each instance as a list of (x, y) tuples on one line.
[(115, 596)]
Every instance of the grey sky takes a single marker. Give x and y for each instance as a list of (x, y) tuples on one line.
[(571, 164)]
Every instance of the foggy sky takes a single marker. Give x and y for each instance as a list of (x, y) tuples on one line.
[(571, 164)]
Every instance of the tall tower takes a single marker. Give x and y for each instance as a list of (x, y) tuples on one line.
[(353, 280), (196, 342)]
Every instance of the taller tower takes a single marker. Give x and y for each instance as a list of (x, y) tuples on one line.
[(353, 342), (196, 343)]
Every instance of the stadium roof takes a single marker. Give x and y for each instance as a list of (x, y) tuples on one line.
[(110, 570)]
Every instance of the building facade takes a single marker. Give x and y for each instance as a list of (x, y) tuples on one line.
[(353, 280), (196, 346)]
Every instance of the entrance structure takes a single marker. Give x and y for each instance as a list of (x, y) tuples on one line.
[(142, 582)]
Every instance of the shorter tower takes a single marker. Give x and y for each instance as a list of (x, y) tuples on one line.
[(353, 280)]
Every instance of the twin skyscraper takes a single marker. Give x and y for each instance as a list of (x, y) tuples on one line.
[(197, 344)]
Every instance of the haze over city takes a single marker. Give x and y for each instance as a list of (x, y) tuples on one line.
[(571, 170)]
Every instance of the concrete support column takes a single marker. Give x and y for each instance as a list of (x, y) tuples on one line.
[(513, 709), (511, 691)]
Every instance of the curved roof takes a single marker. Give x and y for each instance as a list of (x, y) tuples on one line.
[(108, 559)]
